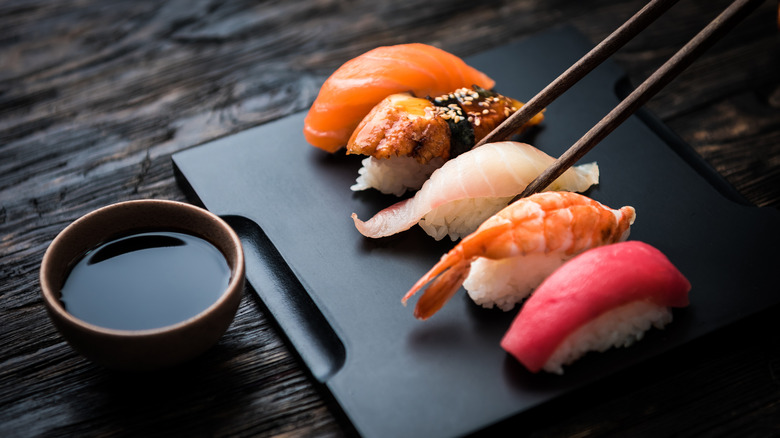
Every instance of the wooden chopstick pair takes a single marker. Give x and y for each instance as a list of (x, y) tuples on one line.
[(660, 78)]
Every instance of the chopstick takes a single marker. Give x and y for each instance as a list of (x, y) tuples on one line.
[(579, 69), (660, 78)]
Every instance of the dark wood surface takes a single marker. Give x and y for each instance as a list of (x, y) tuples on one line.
[(96, 96)]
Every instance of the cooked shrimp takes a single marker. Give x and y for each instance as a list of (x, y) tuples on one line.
[(550, 227)]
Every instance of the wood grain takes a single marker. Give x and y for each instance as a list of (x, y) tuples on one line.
[(95, 97)]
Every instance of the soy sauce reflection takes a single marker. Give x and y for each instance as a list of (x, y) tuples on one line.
[(146, 281)]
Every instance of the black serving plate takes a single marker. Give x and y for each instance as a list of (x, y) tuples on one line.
[(336, 294)]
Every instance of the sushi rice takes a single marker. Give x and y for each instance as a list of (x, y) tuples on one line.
[(505, 282), (459, 218), (394, 175), (617, 328)]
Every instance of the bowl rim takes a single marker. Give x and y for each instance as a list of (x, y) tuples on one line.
[(52, 301)]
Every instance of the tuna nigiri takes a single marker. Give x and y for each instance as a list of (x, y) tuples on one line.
[(605, 297), (470, 188), (513, 251), (407, 137), (362, 82)]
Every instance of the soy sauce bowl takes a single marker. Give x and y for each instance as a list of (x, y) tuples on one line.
[(153, 348)]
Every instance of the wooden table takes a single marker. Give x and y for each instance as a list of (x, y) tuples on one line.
[(96, 96)]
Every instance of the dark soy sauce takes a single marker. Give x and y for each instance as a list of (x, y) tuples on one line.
[(145, 281)]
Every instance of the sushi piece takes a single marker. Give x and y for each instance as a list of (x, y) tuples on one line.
[(406, 140), (606, 297), (514, 251), (407, 137), (362, 82), (468, 189)]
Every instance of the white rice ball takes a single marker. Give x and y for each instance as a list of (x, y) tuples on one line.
[(620, 327), (505, 282), (394, 175), (462, 217)]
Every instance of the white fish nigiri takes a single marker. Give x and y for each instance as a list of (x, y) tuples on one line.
[(468, 189)]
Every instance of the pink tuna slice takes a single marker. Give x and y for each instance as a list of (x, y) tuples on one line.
[(597, 281)]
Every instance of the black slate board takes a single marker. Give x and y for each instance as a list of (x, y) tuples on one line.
[(337, 295)]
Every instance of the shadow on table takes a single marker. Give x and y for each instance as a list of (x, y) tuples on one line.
[(203, 395)]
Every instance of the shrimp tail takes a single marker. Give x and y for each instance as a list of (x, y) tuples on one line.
[(450, 272), (445, 278), (441, 290)]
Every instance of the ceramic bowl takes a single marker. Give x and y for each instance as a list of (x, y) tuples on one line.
[(150, 348)]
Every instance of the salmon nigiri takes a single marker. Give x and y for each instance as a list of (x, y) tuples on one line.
[(513, 251), (468, 189), (605, 297), (361, 83)]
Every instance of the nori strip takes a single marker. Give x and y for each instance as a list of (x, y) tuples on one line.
[(461, 136), (461, 131)]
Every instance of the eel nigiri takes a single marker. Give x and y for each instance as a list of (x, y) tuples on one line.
[(605, 297), (468, 189), (515, 250), (362, 82), (408, 137)]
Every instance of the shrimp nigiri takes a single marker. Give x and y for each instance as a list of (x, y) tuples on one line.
[(361, 83), (605, 297), (407, 137), (513, 251), (468, 189)]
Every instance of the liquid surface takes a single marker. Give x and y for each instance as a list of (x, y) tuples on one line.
[(145, 281)]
